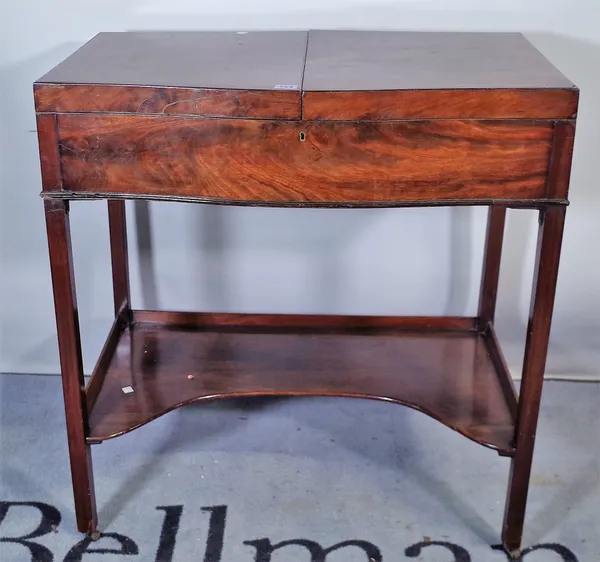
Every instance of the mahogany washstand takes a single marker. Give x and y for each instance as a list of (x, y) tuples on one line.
[(306, 119)]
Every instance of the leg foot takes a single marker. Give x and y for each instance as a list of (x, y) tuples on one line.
[(513, 554), (94, 536)]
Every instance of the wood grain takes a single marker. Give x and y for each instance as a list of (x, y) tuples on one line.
[(119, 257), (47, 131), (545, 277), (256, 60), (366, 60), (446, 374), (490, 274), (441, 104), (94, 385), (298, 322), (98, 98), (265, 161), (326, 118), (561, 159), (504, 374), (71, 362)]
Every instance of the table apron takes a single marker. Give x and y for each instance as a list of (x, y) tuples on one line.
[(305, 162)]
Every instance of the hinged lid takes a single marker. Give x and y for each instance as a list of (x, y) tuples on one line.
[(317, 75), (233, 74)]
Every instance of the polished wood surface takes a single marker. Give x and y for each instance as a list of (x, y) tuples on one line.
[(447, 374), (49, 152), (561, 159), (151, 100), (119, 259), (324, 75), (121, 321), (358, 60), (71, 362), (504, 375), (416, 75), (440, 104), (313, 322), (326, 118), (491, 265), (266, 161), (547, 260), (257, 60), (226, 74)]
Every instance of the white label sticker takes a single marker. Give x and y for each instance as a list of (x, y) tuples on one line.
[(286, 87), (127, 390)]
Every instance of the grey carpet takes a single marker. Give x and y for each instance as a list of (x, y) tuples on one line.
[(326, 471)]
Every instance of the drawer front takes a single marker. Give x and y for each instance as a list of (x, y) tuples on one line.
[(305, 163)]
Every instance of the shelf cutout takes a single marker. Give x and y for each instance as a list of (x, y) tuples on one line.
[(440, 366)]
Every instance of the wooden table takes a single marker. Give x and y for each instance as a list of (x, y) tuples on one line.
[(297, 119)]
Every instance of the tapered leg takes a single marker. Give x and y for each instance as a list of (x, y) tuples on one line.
[(69, 345), (491, 265), (118, 251), (538, 332)]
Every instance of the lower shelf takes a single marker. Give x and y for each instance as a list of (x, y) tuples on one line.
[(440, 366)]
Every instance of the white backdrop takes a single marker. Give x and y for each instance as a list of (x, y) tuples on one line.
[(231, 259)]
